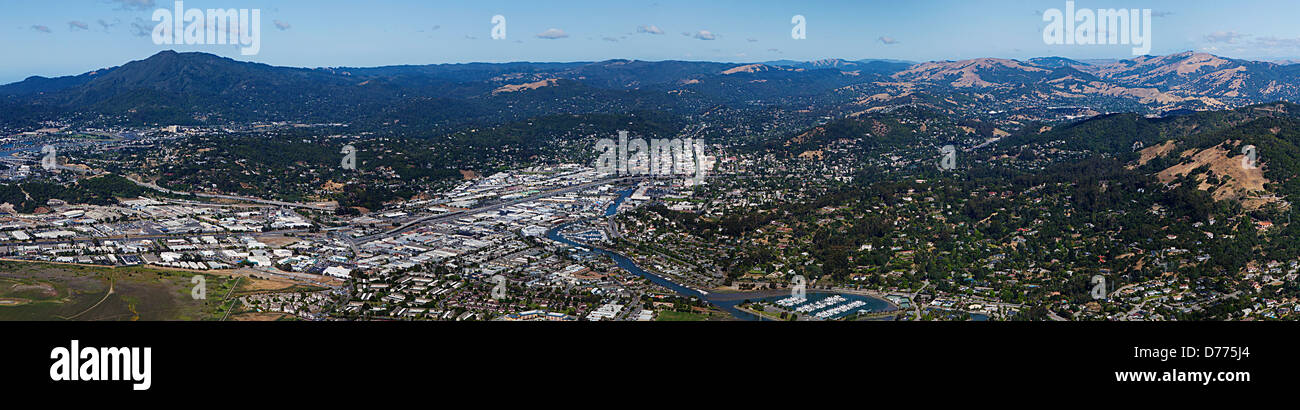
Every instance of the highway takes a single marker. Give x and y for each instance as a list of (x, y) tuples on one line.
[(494, 207), (232, 197), (489, 208), (150, 237)]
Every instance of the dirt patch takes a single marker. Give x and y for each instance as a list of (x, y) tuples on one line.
[(278, 241), (331, 186), (1234, 181), (818, 155), (258, 317), (42, 289), (802, 138), (748, 68), (1154, 152), (13, 301), (257, 285), (509, 88)]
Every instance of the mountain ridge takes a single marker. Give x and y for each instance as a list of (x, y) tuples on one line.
[(198, 87)]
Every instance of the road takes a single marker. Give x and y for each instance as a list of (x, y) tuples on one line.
[(92, 307), (232, 197), (557, 191), (15, 162), (227, 297), (151, 237), (489, 208), (913, 298)]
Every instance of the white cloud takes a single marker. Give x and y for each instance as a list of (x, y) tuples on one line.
[(1229, 37), (887, 40), (702, 35), (136, 4), (649, 29), (1277, 42), (552, 34)]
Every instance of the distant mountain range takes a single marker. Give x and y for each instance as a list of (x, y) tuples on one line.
[(186, 88)]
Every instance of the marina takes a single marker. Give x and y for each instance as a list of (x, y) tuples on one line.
[(835, 305)]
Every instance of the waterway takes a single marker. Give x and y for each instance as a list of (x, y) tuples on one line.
[(726, 302)]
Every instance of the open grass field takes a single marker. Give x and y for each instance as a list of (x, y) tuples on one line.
[(673, 316), (41, 291)]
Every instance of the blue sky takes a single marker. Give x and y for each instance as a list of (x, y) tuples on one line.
[(75, 36)]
